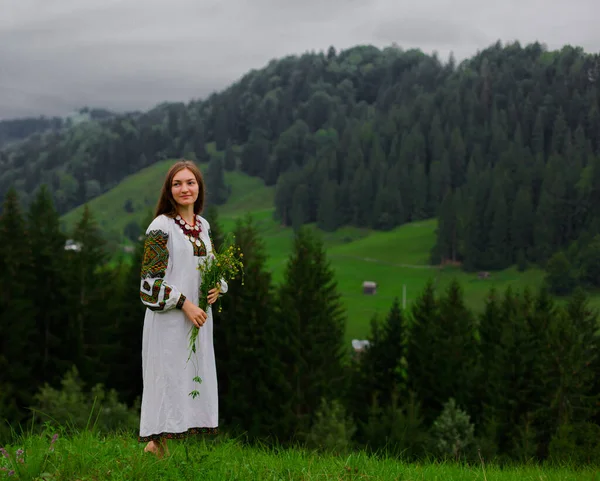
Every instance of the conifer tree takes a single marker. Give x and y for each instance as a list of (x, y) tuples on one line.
[(456, 349), (312, 315), (89, 300), (217, 191), (19, 339), (327, 215), (230, 161), (381, 370), (521, 230), (421, 353), (447, 230), (49, 274), (249, 340)]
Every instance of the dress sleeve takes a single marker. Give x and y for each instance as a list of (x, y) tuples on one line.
[(155, 291)]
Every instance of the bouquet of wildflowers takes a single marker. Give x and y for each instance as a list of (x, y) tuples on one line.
[(225, 264)]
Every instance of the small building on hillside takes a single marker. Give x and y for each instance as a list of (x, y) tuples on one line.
[(369, 288)]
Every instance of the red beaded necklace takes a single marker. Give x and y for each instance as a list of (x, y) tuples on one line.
[(191, 232)]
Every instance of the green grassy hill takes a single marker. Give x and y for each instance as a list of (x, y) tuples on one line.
[(395, 260)]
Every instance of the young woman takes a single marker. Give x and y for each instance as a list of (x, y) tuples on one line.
[(176, 240)]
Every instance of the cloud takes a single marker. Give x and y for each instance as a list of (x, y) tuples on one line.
[(59, 55)]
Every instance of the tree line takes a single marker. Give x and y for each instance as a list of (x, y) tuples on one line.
[(504, 146), (517, 382)]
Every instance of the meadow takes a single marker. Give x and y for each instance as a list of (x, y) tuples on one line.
[(398, 260), (89, 456)]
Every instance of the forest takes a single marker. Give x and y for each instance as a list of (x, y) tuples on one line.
[(504, 148)]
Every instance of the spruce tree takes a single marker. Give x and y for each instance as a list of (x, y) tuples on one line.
[(500, 252), (89, 286), (19, 339), (521, 230), (249, 340), (447, 230), (313, 316), (422, 360), (327, 215), (230, 161), (217, 190), (456, 350), (573, 352), (49, 260), (382, 365)]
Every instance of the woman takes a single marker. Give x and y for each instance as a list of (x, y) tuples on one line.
[(176, 240)]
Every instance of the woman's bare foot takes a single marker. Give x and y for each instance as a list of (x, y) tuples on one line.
[(158, 448)]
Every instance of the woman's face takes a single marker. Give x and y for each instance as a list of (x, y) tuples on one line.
[(184, 188)]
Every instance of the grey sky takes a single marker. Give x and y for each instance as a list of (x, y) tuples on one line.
[(59, 55)]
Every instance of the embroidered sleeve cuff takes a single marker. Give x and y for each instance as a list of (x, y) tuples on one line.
[(180, 302)]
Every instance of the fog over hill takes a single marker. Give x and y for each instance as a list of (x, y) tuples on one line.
[(133, 54)]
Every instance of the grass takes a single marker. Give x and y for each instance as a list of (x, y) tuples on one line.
[(397, 260), (88, 456)]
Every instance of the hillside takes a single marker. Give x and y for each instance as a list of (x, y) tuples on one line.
[(503, 146), (393, 259)]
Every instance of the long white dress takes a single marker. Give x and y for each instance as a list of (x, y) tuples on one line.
[(170, 275)]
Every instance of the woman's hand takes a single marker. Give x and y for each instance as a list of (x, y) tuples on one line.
[(194, 313), (213, 295)]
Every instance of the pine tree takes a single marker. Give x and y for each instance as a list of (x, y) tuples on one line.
[(573, 352), (248, 333), (300, 207), (420, 196), (89, 288), (199, 143), (500, 252), (217, 190), (476, 237), (230, 161), (327, 215), (457, 159), (489, 385), (49, 260), (19, 339), (221, 128), (447, 230), (383, 364), (313, 316), (456, 350), (422, 359), (521, 231)]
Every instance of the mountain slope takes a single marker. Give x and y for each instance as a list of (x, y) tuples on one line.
[(504, 148), (393, 259)]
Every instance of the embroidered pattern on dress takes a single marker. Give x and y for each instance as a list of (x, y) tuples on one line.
[(153, 298), (156, 437), (156, 255)]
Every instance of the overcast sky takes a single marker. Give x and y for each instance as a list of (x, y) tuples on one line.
[(59, 55)]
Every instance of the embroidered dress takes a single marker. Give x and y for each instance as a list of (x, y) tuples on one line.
[(169, 275)]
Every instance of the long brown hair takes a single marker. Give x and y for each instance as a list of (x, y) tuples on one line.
[(166, 204)]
